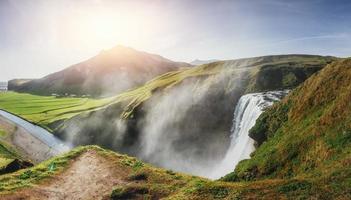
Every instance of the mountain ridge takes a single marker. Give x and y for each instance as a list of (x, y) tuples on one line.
[(110, 72)]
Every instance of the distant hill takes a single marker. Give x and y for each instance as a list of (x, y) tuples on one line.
[(201, 62), (110, 72)]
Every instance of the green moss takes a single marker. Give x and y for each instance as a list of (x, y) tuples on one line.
[(219, 192), (133, 162), (3, 133), (307, 135), (294, 186), (128, 192), (7, 155), (289, 80)]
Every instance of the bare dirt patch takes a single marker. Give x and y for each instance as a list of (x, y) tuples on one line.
[(90, 176)]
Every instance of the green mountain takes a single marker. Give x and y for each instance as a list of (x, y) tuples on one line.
[(307, 137), (110, 72), (197, 106), (198, 102), (303, 145)]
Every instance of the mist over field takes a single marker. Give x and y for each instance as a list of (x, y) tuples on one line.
[(168, 131)]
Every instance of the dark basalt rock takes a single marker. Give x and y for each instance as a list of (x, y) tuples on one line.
[(15, 165)]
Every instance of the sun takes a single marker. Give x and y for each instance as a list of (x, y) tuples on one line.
[(104, 28)]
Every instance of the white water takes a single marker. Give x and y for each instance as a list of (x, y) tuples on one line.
[(248, 109)]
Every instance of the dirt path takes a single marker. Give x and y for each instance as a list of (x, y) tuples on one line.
[(90, 176)]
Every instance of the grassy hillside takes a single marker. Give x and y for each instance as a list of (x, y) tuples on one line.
[(202, 99), (307, 136), (137, 180), (265, 73), (198, 102), (136, 176), (10, 159), (110, 72)]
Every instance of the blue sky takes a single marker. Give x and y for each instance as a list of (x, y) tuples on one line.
[(39, 37)]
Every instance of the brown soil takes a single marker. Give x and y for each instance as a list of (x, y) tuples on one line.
[(90, 176)]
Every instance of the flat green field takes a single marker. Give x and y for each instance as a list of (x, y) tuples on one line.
[(44, 110)]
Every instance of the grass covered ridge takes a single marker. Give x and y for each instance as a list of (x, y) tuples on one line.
[(307, 135), (49, 111), (31, 176), (139, 180)]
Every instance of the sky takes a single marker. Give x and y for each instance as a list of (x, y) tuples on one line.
[(38, 37)]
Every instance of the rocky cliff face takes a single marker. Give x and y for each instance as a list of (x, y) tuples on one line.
[(186, 114)]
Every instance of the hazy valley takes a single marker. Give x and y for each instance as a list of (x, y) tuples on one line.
[(205, 132), (178, 100)]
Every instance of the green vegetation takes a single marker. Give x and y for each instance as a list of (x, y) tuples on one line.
[(6, 155), (44, 110), (28, 177), (10, 160), (307, 136), (50, 112), (288, 71), (143, 181), (3, 133)]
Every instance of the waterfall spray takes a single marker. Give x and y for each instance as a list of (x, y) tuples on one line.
[(247, 110)]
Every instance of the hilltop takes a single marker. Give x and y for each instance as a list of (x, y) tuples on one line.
[(111, 71), (201, 62)]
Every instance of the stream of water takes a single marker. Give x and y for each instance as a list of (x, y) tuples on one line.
[(247, 110)]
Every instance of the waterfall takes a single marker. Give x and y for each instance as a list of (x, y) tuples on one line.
[(247, 110)]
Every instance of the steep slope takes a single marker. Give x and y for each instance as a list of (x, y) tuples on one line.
[(307, 136), (91, 173), (10, 159), (181, 112), (94, 173), (196, 106), (110, 72)]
